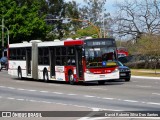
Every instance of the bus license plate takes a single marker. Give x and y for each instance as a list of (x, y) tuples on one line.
[(102, 76)]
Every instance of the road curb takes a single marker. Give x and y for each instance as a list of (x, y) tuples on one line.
[(144, 77)]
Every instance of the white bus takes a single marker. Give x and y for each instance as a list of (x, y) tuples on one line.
[(69, 60)]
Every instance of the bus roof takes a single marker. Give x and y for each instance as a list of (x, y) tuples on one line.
[(61, 43), (56, 43), (20, 45)]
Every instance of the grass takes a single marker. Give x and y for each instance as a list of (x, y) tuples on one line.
[(146, 72)]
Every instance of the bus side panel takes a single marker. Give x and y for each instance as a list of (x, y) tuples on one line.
[(60, 73), (13, 67)]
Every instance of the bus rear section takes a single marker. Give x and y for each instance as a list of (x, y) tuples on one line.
[(20, 63)]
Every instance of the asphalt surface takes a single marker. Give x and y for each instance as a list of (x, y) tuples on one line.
[(140, 94)]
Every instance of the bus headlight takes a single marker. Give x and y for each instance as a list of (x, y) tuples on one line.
[(87, 71), (116, 70), (74, 71)]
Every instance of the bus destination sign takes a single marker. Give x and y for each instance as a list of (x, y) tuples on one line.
[(100, 43)]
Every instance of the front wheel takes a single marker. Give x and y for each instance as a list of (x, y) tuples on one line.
[(19, 73), (71, 78), (45, 76)]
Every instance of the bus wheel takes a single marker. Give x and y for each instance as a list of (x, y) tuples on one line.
[(45, 76), (71, 78), (19, 73), (101, 82)]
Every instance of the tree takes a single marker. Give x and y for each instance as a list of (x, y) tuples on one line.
[(56, 10), (137, 17), (71, 12), (149, 46), (96, 13), (23, 19), (88, 31)]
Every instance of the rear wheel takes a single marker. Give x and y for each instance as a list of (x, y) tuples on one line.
[(101, 82), (45, 76), (19, 73), (71, 78)]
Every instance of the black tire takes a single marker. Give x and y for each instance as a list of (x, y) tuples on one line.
[(19, 73), (71, 78), (127, 79), (45, 76), (101, 82)]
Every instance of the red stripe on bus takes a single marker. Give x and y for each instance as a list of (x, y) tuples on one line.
[(73, 42)]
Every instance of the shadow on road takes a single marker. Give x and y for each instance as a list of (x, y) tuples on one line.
[(109, 82)]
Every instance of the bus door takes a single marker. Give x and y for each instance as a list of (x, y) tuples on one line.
[(52, 62), (79, 62), (28, 61)]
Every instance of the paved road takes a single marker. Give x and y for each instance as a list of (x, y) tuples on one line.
[(31, 95)]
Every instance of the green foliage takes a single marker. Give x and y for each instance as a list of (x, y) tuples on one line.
[(149, 45), (88, 31), (23, 20)]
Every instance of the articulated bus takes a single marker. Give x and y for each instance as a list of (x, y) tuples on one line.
[(72, 61)]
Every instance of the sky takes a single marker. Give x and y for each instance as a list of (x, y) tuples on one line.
[(109, 6)]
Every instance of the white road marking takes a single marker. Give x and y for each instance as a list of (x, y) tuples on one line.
[(108, 98), (156, 93), (89, 96), (43, 91), (33, 100), (71, 94), (99, 88), (10, 98), (119, 99), (11, 88), (32, 90), (130, 101), (58, 93), (46, 102), (20, 99), (153, 103), (80, 106), (20, 89), (144, 102), (62, 104), (143, 86)]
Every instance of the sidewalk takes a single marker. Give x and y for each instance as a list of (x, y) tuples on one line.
[(150, 71), (145, 74), (145, 77)]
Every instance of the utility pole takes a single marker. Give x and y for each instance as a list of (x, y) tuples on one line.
[(104, 32), (2, 36)]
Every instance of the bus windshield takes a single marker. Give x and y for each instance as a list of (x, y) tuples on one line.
[(100, 57)]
